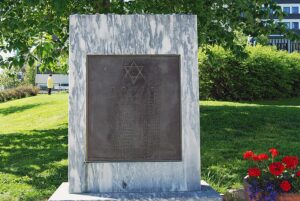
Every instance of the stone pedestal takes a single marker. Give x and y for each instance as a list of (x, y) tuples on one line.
[(132, 180), (206, 194)]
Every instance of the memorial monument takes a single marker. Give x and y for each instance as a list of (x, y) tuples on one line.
[(133, 109)]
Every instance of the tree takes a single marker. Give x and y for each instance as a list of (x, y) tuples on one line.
[(37, 31), (29, 75), (9, 78)]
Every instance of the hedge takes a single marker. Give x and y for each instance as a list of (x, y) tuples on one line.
[(265, 73), (18, 92)]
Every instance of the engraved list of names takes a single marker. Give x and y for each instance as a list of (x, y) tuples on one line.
[(133, 108)]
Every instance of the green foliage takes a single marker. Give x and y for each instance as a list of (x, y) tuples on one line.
[(30, 73), (262, 40), (14, 77), (9, 78), (18, 92), (37, 31), (264, 74)]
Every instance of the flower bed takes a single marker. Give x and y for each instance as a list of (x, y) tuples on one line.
[(272, 179)]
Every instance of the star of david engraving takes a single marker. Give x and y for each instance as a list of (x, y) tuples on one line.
[(133, 72)]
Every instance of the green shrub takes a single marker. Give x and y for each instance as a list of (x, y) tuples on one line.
[(264, 74), (18, 92), (294, 73), (30, 74), (9, 78)]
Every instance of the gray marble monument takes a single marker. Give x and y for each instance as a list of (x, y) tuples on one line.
[(133, 109)]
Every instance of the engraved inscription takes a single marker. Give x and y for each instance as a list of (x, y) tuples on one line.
[(133, 108)]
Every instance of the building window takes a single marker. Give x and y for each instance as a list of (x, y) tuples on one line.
[(295, 25), (286, 10), (287, 24), (295, 10)]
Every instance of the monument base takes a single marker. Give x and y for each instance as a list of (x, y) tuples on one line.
[(206, 194)]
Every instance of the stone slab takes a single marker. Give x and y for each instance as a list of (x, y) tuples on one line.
[(206, 194), (133, 35)]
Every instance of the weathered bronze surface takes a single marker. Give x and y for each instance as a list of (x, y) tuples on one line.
[(133, 108)]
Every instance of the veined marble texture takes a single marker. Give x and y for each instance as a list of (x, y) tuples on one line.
[(206, 194), (133, 34)]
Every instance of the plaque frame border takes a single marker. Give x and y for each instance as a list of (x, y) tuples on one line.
[(87, 119)]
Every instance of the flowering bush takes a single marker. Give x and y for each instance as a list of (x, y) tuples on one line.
[(268, 176)]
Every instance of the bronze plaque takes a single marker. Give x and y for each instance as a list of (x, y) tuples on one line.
[(133, 108)]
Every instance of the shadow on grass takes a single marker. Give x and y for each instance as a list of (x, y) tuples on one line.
[(37, 155), (228, 131), (15, 109)]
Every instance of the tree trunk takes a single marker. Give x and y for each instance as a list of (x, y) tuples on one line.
[(106, 6)]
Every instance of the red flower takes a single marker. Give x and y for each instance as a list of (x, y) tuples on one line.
[(255, 157), (290, 162), (285, 185), (298, 174), (262, 157), (273, 152), (276, 168), (254, 172), (248, 154)]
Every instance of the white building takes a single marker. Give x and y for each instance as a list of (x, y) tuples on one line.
[(292, 21), (61, 81), (292, 9)]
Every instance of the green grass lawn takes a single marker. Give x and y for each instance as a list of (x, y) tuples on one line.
[(33, 141), (33, 147), (228, 129)]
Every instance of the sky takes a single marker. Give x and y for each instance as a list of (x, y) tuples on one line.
[(4, 55)]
